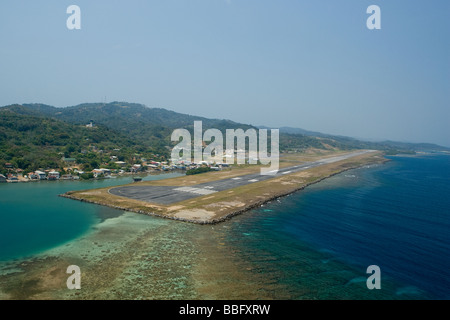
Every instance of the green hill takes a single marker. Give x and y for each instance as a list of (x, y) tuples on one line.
[(36, 136), (31, 140)]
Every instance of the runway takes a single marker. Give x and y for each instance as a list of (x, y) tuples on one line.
[(172, 194)]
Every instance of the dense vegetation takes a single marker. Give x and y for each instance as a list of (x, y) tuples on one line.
[(30, 142), (198, 170), (37, 136)]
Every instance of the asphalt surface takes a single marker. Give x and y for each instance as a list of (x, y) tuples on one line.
[(173, 194)]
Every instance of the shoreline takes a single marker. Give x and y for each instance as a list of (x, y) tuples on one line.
[(21, 179), (237, 210)]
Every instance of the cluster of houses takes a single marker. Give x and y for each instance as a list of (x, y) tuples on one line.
[(147, 166), (9, 177), (186, 165), (51, 175)]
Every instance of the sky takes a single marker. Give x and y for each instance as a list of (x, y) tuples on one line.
[(300, 63)]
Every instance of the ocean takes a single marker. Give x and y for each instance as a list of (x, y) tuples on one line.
[(33, 218), (314, 244), (395, 215)]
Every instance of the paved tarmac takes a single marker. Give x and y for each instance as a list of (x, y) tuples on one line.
[(172, 194)]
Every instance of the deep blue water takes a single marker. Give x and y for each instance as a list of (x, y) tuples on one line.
[(316, 243), (395, 215)]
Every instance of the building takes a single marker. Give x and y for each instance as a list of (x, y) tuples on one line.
[(40, 175), (97, 172), (53, 175), (136, 168), (106, 172), (121, 163), (100, 172), (2, 178), (12, 178), (69, 160), (33, 176)]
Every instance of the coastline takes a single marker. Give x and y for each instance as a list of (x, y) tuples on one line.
[(136, 257), (132, 257), (199, 213)]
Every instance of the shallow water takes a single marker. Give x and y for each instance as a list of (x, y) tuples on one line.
[(33, 218), (314, 244)]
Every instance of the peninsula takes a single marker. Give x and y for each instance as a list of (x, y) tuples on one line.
[(213, 197)]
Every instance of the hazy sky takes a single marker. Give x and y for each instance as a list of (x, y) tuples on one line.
[(310, 64)]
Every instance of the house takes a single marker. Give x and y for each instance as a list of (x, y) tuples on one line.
[(8, 165), (2, 178), (70, 160), (40, 175), (12, 178), (121, 163), (97, 172), (53, 175), (33, 176), (106, 172), (136, 168)]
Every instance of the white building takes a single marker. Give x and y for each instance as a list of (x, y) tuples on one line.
[(53, 175), (41, 175)]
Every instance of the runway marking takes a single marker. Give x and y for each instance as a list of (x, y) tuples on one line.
[(237, 178), (253, 180), (286, 172), (195, 190)]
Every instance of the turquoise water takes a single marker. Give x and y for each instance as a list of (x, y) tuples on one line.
[(314, 244), (33, 218), (396, 216)]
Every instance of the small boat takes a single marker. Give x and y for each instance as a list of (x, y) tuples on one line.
[(137, 179)]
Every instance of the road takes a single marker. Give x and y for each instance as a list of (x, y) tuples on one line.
[(172, 194)]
